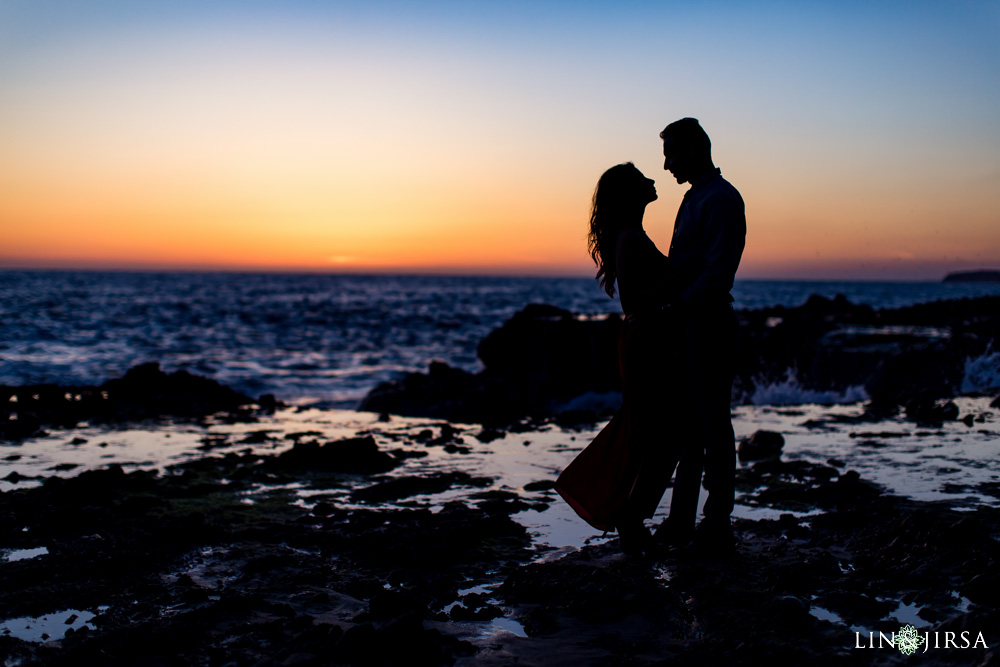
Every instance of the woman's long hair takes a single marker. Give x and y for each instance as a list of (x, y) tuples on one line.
[(614, 191)]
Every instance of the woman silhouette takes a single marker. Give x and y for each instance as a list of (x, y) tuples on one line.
[(618, 480)]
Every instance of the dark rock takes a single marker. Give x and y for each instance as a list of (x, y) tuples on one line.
[(392, 604), (257, 438), (761, 445), (983, 588), (19, 424), (791, 611), (269, 403), (359, 644), (352, 455), (488, 435), (402, 487), (323, 509), (929, 411), (143, 392), (145, 389), (540, 485), (933, 370), (531, 362)]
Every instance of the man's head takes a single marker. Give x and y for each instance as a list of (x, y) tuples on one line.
[(687, 150)]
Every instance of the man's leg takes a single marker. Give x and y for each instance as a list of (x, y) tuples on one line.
[(720, 470), (679, 525), (720, 443)]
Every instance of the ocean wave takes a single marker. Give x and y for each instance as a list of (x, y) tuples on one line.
[(790, 391), (982, 373)]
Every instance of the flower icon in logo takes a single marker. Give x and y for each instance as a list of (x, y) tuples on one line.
[(908, 640)]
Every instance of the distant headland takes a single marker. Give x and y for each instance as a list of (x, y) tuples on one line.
[(982, 276)]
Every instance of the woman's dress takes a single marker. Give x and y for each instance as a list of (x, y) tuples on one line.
[(626, 468)]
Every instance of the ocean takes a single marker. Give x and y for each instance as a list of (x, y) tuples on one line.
[(324, 340)]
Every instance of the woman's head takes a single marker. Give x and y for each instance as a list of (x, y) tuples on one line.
[(619, 200)]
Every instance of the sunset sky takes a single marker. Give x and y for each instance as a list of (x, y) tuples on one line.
[(467, 137)]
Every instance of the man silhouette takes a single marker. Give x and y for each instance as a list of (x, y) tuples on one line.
[(709, 233)]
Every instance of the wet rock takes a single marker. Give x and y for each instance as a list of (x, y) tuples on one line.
[(323, 509), (791, 611), (541, 347), (402, 487), (531, 363), (19, 424), (926, 370), (144, 392), (501, 501), (257, 438), (146, 389), (269, 403), (360, 644), (392, 604), (983, 588), (488, 435), (761, 445), (352, 455), (800, 485), (442, 392), (926, 410)]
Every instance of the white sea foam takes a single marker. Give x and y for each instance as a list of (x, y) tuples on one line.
[(790, 392), (982, 373)]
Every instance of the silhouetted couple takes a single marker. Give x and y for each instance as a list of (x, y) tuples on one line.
[(676, 354)]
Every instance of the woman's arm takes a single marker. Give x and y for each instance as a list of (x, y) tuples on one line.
[(647, 278)]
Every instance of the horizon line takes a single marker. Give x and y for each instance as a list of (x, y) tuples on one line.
[(437, 272)]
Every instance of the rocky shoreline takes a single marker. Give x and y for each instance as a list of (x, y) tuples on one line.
[(218, 560), (284, 546)]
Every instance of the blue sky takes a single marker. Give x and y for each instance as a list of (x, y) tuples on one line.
[(864, 136)]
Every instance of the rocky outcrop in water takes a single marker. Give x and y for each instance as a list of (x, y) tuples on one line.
[(535, 363), (982, 276), (543, 357), (145, 391)]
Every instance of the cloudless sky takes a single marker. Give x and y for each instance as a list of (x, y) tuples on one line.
[(468, 137)]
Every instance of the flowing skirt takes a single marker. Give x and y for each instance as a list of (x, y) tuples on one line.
[(627, 467)]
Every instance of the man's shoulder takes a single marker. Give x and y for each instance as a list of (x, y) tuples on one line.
[(719, 191), (721, 186)]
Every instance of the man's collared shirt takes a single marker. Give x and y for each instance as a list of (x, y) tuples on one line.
[(710, 233)]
